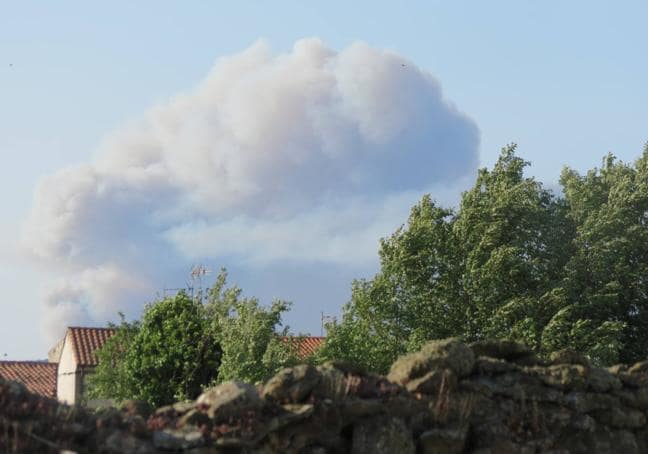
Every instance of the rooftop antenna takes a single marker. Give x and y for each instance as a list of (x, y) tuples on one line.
[(197, 273), (326, 319)]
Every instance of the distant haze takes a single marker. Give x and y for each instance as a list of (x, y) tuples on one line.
[(304, 157)]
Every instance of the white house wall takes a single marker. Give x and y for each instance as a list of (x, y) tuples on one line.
[(66, 384)]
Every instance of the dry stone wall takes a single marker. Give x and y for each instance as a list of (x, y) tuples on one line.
[(450, 397)]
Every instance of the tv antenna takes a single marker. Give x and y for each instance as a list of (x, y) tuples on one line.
[(326, 319), (197, 274)]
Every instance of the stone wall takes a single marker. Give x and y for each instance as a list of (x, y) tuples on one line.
[(487, 397)]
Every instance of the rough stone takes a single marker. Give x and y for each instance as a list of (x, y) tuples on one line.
[(501, 349), (293, 384), (353, 409), (634, 380), (434, 382), (177, 439), (641, 398), (136, 407), (486, 365), (120, 443), (621, 418), (601, 380), (617, 368), (194, 417), (383, 435), (230, 399), (183, 407), (332, 383), (583, 402), (499, 406), (568, 356), (446, 353), (563, 376), (639, 368), (444, 441)]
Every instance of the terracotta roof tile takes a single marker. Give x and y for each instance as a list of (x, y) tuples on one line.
[(86, 340), (39, 377), (308, 345)]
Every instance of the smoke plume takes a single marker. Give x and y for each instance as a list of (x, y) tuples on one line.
[(307, 156)]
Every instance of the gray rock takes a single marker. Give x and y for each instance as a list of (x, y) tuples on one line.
[(136, 425), (452, 354), (617, 368), (292, 385), (620, 418), (346, 367), (487, 365), (501, 349), (193, 417), (382, 435), (583, 402), (177, 439), (292, 414), (444, 441), (434, 382), (447, 353), (641, 398), (562, 376), (353, 409), (230, 399), (639, 368), (120, 443), (136, 407), (568, 356), (584, 423), (332, 383), (634, 380), (601, 380), (183, 407)]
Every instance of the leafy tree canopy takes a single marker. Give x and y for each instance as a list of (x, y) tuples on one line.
[(249, 334), (174, 354), (181, 346), (112, 378), (514, 261)]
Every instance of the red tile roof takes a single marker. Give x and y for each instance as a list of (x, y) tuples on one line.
[(307, 346), (86, 340), (39, 377)]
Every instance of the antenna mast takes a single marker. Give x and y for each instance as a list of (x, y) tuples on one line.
[(197, 273), (326, 319)]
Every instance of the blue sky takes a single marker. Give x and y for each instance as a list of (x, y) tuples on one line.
[(565, 80)]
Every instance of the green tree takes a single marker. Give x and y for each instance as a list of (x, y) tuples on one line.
[(168, 355), (112, 378), (249, 334), (180, 346), (605, 280), (513, 240), (408, 301), (514, 261), (174, 354), (474, 273)]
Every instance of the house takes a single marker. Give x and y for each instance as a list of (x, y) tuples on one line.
[(76, 359), (63, 376), (39, 377), (307, 345), (73, 359)]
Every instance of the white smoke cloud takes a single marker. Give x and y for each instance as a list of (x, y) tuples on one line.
[(309, 156)]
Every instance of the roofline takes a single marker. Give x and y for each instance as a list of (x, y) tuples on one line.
[(69, 334), (39, 363), (92, 327), (32, 361)]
